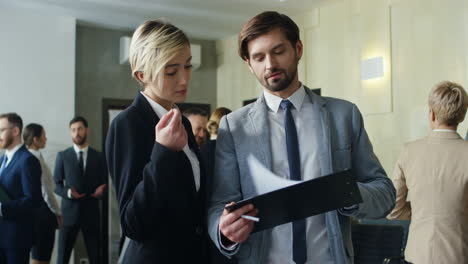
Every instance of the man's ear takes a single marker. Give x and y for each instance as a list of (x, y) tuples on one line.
[(16, 131), (299, 49)]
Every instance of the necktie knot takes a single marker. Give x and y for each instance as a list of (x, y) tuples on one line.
[(286, 105)]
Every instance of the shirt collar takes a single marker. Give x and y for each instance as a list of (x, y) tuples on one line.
[(36, 153), (444, 130), (157, 108), (77, 149), (297, 98), (11, 153)]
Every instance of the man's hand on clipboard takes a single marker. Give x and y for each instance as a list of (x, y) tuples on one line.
[(234, 226)]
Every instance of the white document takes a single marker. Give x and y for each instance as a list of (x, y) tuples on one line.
[(265, 180)]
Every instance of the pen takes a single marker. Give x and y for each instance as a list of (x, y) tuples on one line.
[(251, 218)]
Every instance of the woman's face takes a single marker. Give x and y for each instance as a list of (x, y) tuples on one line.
[(41, 141), (177, 75)]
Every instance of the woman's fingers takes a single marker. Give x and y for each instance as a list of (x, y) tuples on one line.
[(165, 119)]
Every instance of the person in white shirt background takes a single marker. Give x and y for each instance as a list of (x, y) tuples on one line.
[(49, 216)]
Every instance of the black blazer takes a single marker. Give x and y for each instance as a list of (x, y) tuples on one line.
[(66, 175), (160, 209), (21, 179)]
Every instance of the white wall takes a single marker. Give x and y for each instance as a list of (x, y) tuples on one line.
[(422, 41), (37, 72)]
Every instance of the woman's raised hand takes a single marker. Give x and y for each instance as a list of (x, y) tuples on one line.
[(170, 132)]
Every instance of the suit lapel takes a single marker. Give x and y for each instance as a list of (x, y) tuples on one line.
[(13, 161), (72, 157), (89, 160), (320, 112), (259, 127)]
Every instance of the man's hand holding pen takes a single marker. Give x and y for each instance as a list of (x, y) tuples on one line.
[(234, 226)]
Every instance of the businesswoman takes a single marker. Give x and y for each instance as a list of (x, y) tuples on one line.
[(48, 216), (153, 157)]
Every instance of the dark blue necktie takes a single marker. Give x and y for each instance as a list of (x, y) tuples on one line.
[(292, 145), (4, 163), (81, 163)]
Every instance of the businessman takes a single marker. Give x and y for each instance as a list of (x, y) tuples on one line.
[(20, 178), (198, 120), (297, 135), (80, 174)]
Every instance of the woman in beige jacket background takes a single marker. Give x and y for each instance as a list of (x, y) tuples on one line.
[(431, 179)]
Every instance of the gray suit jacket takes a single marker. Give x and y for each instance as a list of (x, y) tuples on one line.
[(343, 144)]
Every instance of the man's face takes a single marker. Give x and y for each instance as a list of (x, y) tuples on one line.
[(198, 123), (7, 133), (78, 133), (273, 60)]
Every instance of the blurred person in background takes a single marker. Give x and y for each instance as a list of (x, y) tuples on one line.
[(198, 120), (431, 179), (20, 180), (208, 154), (48, 216)]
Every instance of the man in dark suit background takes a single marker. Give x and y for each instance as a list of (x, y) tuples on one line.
[(20, 178), (80, 174)]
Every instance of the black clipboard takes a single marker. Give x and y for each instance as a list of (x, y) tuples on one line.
[(308, 198), (4, 197)]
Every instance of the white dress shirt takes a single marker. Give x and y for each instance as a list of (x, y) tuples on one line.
[(318, 248), (47, 184), (160, 112), (9, 154), (85, 154)]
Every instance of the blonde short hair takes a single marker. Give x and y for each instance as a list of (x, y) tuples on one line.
[(154, 43), (449, 102), (213, 124)]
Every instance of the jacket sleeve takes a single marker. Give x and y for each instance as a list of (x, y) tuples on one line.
[(139, 180), (402, 210), (31, 188), (226, 184), (59, 177), (48, 187), (376, 188)]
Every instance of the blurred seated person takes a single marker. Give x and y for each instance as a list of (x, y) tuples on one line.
[(431, 179), (198, 120)]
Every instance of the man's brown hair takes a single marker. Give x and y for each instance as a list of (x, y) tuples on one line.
[(449, 102), (264, 23), (14, 119)]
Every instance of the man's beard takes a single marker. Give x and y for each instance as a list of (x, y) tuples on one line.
[(7, 142), (200, 141), (79, 140), (280, 85)]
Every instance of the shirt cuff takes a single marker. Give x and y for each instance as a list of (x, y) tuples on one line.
[(349, 210), (230, 248), (69, 194)]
